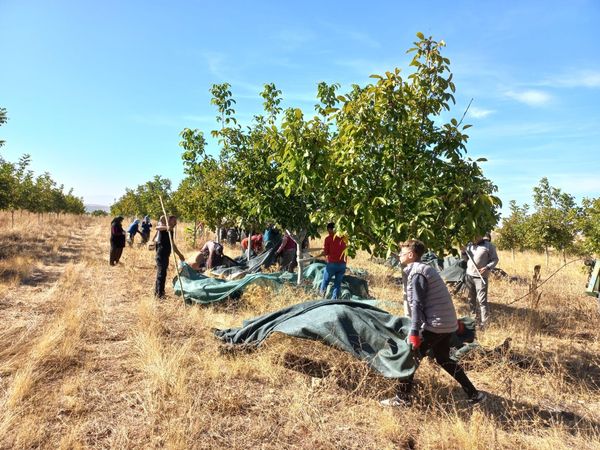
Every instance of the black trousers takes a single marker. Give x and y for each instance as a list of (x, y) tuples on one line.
[(439, 344), (162, 265), (115, 254)]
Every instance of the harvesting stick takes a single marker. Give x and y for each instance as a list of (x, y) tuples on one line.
[(172, 253), (468, 252)]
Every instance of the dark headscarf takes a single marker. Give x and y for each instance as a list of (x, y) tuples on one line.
[(117, 220)]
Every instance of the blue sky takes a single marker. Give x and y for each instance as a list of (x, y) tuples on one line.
[(97, 92)]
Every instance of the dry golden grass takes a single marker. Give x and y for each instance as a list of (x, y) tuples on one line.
[(88, 359)]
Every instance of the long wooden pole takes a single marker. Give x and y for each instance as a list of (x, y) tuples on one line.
[(172, 247)]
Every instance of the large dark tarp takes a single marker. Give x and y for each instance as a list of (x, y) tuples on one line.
[(357, 327)]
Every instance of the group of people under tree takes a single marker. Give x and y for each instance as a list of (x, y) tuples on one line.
[(427, 299)]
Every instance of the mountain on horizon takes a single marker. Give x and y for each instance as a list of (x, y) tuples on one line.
[(93, 207)]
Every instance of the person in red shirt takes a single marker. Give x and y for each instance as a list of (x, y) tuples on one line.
[(257, 243), (334, 248), (287, 253)]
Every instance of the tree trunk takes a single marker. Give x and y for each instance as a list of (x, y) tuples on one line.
[(195, 231), (12, 215), (249, 237), (298, 240), (299, 262), (547, 257), (564, 256), (218, 233)]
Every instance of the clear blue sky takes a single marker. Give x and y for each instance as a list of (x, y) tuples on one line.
[(97, 92)]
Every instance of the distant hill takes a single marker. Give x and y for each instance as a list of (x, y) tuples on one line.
[(91, 207)]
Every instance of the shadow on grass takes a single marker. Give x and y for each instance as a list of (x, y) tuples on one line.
[(514, 414), (43, 252)]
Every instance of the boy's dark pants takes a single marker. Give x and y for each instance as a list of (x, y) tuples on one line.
[(439, 343), (162, 264)]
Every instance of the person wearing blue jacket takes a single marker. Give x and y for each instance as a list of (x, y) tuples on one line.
[(133, 229)]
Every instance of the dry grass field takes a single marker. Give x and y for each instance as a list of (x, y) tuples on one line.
[(88, 359)]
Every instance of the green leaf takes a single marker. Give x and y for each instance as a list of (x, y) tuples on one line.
[(420, 35)]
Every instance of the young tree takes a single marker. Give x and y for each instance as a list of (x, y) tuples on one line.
[(589, 223), (144, 200), (391, 171), (513, 232), (8, 183), (3, 120), (207, 192), (553, 224)]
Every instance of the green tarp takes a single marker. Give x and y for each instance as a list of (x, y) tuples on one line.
[(357, 327), (199, 288), (454, 269)]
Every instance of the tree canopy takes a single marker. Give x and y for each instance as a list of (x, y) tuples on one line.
[(20, 189), (378, 160)]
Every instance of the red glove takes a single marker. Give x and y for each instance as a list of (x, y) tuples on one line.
[(415, 341), (461, 328)]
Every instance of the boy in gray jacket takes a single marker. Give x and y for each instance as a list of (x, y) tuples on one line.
[(433, 320), (481, 257)]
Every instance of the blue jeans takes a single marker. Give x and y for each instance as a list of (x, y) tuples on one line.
[(335, 271)]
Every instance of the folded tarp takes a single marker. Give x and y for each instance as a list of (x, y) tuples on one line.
[(357, 327), (199, 288)]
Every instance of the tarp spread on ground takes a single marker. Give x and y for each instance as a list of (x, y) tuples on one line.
[(357, 327), (244, 267), (199, 288)]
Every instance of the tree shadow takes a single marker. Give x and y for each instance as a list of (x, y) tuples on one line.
[(361, 380), (514, 414), (549, 323), (43, 252)]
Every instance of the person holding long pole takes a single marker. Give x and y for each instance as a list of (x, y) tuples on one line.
[(164, 245), (481, 257)]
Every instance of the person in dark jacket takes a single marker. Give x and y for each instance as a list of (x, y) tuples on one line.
[(117, 240), (163, 253), (146, 225), (433, 321)]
